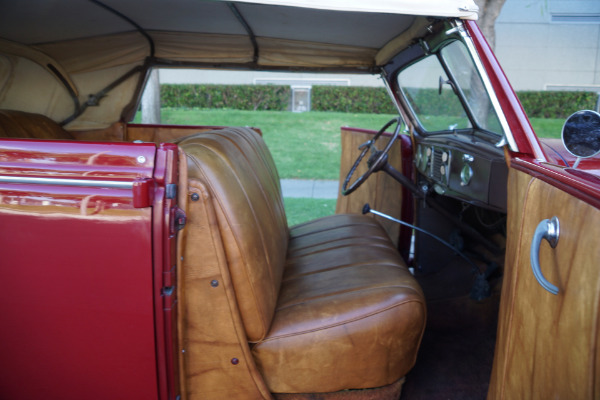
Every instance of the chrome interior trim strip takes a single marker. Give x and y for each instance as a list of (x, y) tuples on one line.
[(66, 182), (391, 92), (512, 144)]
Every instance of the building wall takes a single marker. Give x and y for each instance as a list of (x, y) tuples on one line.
[(259, 77), (550, 44)]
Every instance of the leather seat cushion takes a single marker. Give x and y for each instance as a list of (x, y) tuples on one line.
[(19, 124), (240, 175), (349, 313)]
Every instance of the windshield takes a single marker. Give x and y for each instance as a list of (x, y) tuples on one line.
[(446, 92)]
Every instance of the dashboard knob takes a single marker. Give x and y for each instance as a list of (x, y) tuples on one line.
[(466, 174)]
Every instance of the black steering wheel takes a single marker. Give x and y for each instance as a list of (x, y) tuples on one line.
[(376, 160)]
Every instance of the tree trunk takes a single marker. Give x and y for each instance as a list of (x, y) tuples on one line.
[(489, 10), (151, 100)]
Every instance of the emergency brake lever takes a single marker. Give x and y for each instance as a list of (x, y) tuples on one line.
[(367, 209), (480, 290)]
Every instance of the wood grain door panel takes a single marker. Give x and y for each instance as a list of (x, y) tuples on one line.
[(547, 343), (381, 191)]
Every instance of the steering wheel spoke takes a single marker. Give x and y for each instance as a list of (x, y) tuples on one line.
[(376, 159), (367, 144)]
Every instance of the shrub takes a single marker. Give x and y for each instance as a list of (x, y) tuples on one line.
[(430, 102), (552, 104), (350, 99), (239, 97)]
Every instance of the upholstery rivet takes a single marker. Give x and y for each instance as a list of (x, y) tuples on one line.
[(235, 361), (141, 159), (214, 283), (195, 197)]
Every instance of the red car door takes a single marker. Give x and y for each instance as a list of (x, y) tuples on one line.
[(86, 255)]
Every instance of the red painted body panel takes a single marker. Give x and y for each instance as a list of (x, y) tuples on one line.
[(77, 315), (83, 160), (408, 202), (165, 256), (82, 268)]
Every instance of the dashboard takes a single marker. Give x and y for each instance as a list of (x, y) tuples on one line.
[(463, 167)]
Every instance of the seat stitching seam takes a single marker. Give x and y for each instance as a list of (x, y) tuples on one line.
[(268, 339), (345, 292), (332, 228), (383, 244), (360, 264)]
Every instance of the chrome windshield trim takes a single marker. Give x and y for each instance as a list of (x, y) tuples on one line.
[(390, 92), (66, 182), (512, 144)]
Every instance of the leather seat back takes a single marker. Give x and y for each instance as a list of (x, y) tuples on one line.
[(239, 173), (19, 124)]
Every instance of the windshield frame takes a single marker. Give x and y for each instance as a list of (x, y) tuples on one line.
[(441, 34), (447, 76)]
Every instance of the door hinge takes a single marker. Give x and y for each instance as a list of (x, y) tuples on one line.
[(171, 190), (178, 219), (143, 193)]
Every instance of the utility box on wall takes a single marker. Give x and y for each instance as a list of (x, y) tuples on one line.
[(301, 98)]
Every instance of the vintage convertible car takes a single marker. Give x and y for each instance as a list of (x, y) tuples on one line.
[(156, 262)]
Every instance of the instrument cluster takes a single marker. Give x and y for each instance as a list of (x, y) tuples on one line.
[(463, 175)]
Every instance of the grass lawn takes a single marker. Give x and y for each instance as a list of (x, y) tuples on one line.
[(547, 127), (300, 210), (304, 145)]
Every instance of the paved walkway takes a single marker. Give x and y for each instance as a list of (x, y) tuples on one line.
[(317, 189)]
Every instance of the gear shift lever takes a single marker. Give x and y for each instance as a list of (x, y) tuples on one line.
[(481, 288), (367, 209)]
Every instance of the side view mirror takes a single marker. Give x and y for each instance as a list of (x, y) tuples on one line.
[(581, 134)]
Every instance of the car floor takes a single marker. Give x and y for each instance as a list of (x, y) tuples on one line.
[(456, 354)]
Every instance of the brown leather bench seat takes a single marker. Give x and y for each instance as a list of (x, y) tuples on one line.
[(24, 125), (323, 306)]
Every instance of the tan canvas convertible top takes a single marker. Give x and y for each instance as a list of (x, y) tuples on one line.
[(86, 60)]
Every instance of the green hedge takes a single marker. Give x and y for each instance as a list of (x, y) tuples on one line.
[(556, 104), (542, 104), (238, 97), (430, 102), (351, 99)]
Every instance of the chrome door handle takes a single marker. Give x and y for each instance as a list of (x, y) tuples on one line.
[(548, 229)]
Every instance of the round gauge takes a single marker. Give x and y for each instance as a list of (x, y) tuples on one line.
[(443, 170), (466, 174), (444, 156)]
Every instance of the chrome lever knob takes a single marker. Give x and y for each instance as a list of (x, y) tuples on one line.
[(548, 229)]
